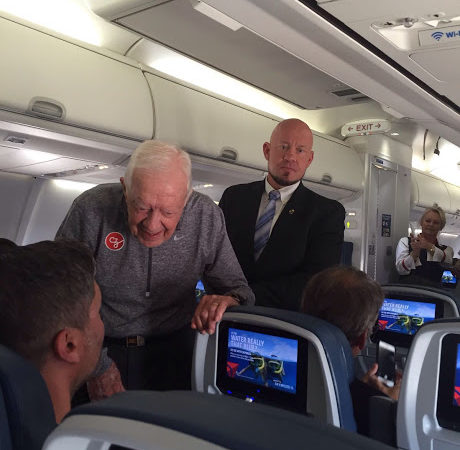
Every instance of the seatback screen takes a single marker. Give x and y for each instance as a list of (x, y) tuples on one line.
[(259, 363), (456, 393), (448, 404), (405, 316), (262, 359)]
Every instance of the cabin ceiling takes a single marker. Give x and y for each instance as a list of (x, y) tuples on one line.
[(239, 53), (282, 58), (419, 35), (283, 48)]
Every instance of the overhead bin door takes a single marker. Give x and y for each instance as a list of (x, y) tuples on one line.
[(454, 193), (207, 125), (427, 191), (48, 77)]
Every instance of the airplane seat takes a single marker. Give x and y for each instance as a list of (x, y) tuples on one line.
[(281, 358), (346, 254), (144, 420), (428, 413), (434, 303), (5, 442), (382, 419), (28, 412)]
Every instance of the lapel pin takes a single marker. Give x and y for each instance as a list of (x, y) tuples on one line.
[(291, 211)]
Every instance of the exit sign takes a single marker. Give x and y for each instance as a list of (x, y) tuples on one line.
[(365, 127)]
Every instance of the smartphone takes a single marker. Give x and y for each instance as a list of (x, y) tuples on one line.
[(386, 360), (448, 279)]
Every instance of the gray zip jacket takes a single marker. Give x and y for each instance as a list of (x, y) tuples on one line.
[(151, 292)]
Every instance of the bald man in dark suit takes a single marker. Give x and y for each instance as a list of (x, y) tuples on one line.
[(282, 232)]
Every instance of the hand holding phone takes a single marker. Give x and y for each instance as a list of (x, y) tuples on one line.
[(386, 372)]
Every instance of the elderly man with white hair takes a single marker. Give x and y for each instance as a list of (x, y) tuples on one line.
[(153, 238)]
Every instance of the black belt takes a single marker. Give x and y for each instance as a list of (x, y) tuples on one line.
[(128, 341)]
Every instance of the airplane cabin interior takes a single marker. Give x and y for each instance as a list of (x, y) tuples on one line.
[(84, 82)]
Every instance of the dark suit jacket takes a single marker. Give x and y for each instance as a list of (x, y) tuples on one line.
[(306, 238)]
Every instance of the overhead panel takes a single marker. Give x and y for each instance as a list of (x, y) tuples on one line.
[(239, 53), (427, 191), (208, 126), (454, 193), (422, 37), (47, 77)]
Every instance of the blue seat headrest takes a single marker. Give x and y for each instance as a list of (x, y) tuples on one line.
[(26, 400)]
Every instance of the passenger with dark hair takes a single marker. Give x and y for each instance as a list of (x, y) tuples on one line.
[(350, 300), (6, 244), (49, 303)]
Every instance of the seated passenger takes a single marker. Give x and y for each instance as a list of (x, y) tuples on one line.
[(419, 258), (347, 298), (49, 305)]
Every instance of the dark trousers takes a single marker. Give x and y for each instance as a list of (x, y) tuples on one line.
[(163, 363)]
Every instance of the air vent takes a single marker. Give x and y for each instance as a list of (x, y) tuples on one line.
[(361, 98), (15, 140), (345, 92), (72, 172)]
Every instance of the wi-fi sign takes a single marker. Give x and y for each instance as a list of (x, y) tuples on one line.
[(437, 35)]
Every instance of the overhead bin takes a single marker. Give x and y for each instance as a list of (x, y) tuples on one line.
[(454, 194), (209, 126), (43, 76), (427, 190)]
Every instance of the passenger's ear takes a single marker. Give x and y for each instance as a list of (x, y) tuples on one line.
[(310, 159), (67, 344), (266, 149), (361, 341)]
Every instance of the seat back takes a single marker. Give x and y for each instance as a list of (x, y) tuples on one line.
[(27, 405), (180, 419), (5, 441), (400, 293), (428, 413), (313, 358)]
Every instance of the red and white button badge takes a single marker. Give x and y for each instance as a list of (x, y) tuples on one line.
[(114, 241)]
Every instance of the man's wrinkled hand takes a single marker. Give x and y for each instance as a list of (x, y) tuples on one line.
[(210, 311), (106, 384), (372, 380)]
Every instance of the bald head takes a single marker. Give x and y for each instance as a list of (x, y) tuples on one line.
[(289, 152), (290, 126)]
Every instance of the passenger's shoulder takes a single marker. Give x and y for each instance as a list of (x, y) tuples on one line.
[(324, 202), (241, 188), (100, 195), (202, 202)]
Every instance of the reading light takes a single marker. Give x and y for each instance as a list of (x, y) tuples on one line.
[(69, 17), (193, 72)]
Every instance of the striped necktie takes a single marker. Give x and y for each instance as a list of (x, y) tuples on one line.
[(264, 224)]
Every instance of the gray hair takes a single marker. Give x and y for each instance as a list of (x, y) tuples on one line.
[(158, 156), (439, 211)]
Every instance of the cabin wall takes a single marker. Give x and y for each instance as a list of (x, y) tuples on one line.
[(33, 208), (386, 203), (14, 193)]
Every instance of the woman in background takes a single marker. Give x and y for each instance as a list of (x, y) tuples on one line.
[(421, 259)]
